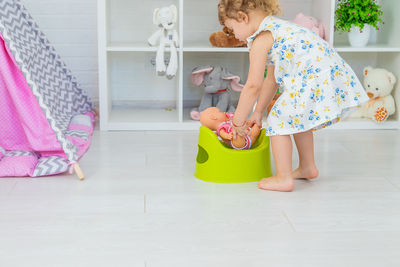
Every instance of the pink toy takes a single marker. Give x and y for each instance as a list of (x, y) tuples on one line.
[(310, 23)]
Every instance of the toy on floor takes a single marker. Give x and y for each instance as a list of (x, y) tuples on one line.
[(221, 123), (218, 84), (226, 38), (378, 84), (165, 18), (310, 23)]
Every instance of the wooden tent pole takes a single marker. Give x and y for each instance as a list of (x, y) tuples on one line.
[(79, 172)]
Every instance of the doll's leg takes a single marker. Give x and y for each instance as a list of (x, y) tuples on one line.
[(282, 151), (305, 146), (254, 133), (239, 142)]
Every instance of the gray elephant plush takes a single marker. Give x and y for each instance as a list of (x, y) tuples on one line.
[(218, 84)]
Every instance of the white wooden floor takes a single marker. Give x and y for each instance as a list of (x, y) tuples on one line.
[(141, 206)]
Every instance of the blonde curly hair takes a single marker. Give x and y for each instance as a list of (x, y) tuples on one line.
[(230, 8)]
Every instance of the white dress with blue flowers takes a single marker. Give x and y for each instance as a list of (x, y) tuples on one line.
[(318, 87)]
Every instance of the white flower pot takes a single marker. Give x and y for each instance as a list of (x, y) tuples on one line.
[(359, 38)]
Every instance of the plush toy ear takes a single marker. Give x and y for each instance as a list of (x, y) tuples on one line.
[(226, 30), (174, 11), (155, 16), (321, 30), (296, 18), (198, 73), (235, 85), (300, 15), (392, 78), (367, 70)]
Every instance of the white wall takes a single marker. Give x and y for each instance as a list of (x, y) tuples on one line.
[(71, 26)]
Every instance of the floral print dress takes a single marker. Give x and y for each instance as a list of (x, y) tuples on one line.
[(318, 87)]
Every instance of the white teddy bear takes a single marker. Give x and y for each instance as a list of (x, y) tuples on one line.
[(378, 83)]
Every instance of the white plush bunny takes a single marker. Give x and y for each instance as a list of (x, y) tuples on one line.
[(166, 19)]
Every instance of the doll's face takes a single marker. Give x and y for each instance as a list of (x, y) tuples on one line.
[(212, 118), (220, 116), (241, 29)]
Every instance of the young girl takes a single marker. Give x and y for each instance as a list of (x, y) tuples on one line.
[(318, 86)]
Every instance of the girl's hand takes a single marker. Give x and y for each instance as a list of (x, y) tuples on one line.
[(240, 130), (256, 118)]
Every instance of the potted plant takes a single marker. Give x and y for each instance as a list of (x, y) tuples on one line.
[(357, 17)]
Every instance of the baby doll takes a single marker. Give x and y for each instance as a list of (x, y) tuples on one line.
[(221, 122)]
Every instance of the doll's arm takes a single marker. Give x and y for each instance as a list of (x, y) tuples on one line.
[(268, 91), (224, 135), (254, 133)]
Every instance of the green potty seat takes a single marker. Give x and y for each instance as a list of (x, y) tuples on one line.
[(218, 163)]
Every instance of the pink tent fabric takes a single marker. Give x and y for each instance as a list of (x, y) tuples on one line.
[(22, 122), (46, 118), (25, 133)]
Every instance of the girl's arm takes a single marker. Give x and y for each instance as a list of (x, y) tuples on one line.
[(258, 58), (268, 91)]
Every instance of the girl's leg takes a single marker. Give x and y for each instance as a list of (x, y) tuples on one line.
[(305, 146), (282, 151)]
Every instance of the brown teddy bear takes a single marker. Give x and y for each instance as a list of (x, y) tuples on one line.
[(225, 39)]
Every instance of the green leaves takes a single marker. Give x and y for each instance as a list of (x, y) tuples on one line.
[(357, 13)]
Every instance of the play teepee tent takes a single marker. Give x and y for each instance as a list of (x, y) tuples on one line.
[(46, 119)]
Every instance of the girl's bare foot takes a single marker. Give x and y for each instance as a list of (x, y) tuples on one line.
[(306, 173), (277, 183)]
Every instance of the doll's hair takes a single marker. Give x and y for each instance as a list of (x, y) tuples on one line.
[(230, 8)]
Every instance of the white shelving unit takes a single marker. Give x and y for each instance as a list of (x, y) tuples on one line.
[(134, 97)]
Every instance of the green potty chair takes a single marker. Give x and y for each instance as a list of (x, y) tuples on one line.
[(218, 163)]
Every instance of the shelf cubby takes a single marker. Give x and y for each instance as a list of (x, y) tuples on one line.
[(234, 62), (385, 60), (137, 93), (130, 23), (386, 39)]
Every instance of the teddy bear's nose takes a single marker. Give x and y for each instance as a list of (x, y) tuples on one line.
[(370, 95)]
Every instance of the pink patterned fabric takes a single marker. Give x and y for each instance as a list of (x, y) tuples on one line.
[(24, 127), (81, 144), (92, 117), (19, 166), (84, 146), (22, 122)]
